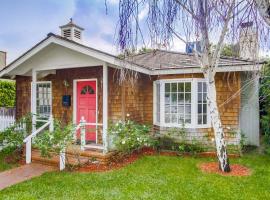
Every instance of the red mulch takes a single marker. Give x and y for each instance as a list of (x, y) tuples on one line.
[(236, 169), (118, 163)]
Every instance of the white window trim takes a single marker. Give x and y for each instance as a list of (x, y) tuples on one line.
[(40, 82), (194, 107)]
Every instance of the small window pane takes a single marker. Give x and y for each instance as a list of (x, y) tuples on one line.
[(199, 108), (174, 99), (199, 87), (167, 98), (174, 109), (167, 87), (181, 97), (188, 109), (204, 119), (187, 87), (181, 87), (188, 98), (181, 109), (174, 87), (188, 119)]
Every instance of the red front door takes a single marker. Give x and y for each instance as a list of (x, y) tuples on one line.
[(86, 107)]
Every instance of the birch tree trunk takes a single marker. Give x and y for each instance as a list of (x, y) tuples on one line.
[(216, 123)]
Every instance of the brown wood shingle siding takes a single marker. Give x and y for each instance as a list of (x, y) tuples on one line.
[(126, 98)]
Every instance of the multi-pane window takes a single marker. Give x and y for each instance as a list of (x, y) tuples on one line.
[(181, 102), (202, 103), (44, 99), (178, 103)]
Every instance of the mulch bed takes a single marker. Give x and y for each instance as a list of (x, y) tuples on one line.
[(122, 161), (117, 163), (236, 169)]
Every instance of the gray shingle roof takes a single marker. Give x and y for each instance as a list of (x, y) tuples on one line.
[(162, 59)]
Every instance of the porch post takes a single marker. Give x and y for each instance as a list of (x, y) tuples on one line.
[(105, 108), (34, 99)]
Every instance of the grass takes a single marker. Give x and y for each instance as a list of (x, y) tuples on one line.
[(3, 164), (152, 177)]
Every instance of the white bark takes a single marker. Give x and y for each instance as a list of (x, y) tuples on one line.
[(216, 123), (264, 9), (210, 63)]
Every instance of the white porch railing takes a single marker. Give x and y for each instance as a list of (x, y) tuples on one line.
[(7, 117), (82, 127), (28, 139)]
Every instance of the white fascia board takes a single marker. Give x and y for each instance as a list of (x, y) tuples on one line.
[(26, 56), (241, 68)]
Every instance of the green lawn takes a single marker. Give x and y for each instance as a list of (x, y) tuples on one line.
[(152, 177)]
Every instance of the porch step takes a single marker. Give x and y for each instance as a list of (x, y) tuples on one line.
[(94, 147), (74, 157), (54, 160)]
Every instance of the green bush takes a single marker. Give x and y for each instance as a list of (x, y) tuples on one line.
[(265, 106), (55, 141), (129, 136), (7, 93), (12, 137)]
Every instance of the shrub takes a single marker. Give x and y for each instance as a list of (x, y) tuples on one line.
[(265, 106), (193, 148), (129, 136), (12, 137), (7, 93), (55, 141)]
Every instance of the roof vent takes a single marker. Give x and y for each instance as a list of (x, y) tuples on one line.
[(72, 31)]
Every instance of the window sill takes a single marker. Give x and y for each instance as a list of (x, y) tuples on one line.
[(186, 126)]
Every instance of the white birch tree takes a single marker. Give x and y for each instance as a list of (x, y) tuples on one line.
[(207, 21)]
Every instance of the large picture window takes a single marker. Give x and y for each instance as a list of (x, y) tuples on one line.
[(181, 102)]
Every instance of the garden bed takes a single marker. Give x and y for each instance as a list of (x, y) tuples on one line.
[(236, 169), (122, 160)]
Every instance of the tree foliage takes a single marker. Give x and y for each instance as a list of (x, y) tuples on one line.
[(265, 105), (7, 93)]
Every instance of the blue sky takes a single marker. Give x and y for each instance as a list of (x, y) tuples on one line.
[(26, 22)]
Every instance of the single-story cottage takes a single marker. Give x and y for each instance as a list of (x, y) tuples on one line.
[(60, 77)]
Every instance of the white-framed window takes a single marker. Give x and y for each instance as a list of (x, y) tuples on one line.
[(44, 99), (181, 102)]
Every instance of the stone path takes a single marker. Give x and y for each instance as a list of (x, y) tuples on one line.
[(22, 173)]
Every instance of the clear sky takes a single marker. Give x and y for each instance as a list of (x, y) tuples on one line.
[(25, 22)]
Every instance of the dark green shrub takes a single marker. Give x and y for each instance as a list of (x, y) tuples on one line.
[(265, 106), (7, 93)]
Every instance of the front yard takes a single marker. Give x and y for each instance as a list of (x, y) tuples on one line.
[(151, 177)]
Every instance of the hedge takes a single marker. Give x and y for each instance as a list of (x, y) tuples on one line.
[(7, 93)]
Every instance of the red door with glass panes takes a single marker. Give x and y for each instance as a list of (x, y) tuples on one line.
[(86, 107)]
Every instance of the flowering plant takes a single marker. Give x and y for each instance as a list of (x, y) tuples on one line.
[(129, 136)]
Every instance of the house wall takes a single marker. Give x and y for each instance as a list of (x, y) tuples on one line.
[(135, 100), (227, 84), (23, 96)]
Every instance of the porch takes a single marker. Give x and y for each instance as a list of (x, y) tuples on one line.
[(83, 104)]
